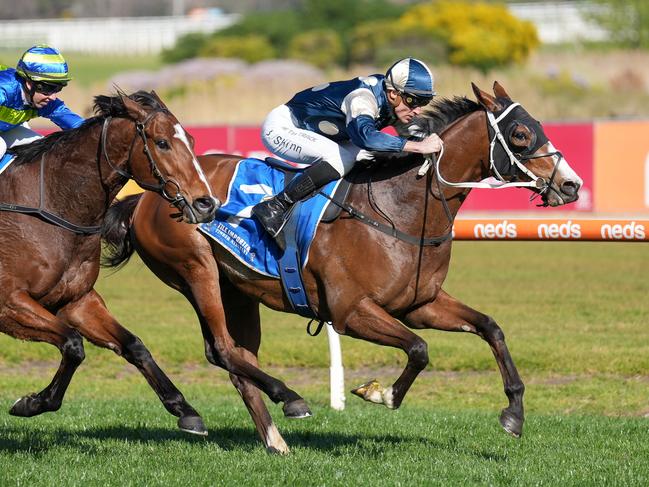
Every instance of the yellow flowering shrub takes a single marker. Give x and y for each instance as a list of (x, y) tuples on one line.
[(251, 48), (477, 33)]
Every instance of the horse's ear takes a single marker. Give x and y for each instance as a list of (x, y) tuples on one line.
[(500, 92), (134, 109), (485, 99), (162, 104)]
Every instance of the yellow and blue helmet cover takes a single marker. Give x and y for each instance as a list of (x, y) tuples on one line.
[(43, 63)]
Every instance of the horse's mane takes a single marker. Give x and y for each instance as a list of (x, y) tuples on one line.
[(104, 106), (441, 114), (434, 120)]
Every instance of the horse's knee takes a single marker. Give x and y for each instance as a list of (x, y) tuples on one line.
[(490, 331), (418, 354), (73, 349), (135, 351), (222, 356)]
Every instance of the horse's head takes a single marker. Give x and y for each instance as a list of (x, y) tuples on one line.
[(520, 150), (161, 158)]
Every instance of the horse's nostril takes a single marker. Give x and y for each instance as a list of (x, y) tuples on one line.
[(204, 204), (570, 188)]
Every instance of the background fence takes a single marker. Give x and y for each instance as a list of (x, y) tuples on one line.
[(120, 36), (556, 22)]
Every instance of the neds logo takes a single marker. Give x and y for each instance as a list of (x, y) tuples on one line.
[(556, 230), (503, 229), (630, 231)]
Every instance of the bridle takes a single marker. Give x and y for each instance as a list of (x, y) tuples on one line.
[(516, 160), (167, 186), (164, 188)]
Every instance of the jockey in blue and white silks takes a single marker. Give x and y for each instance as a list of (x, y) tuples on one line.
[(30, 91), (330, 127)]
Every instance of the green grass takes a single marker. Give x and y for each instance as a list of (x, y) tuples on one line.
[(575, 317), (129, 442)]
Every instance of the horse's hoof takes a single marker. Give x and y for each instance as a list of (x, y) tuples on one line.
[(371, 391), (193, 425), (511, 423), (31, 405), (271, 450), (297, 409)]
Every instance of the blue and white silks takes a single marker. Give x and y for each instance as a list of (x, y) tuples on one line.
[(243, 236)]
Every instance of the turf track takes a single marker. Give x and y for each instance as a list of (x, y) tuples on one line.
[(575, 316)]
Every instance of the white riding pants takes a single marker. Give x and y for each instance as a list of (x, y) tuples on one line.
[(281, 136), (19, 135)]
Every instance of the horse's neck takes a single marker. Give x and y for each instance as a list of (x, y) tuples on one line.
[(412, 203), (466, 145), (79, 183)]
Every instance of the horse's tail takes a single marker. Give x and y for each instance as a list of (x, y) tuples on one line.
[(115, 232)]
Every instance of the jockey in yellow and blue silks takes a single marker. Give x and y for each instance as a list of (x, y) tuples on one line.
[(330, 127), (30, 91)]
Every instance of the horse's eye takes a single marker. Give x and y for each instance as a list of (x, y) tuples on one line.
[(519, 136), (162, 144)]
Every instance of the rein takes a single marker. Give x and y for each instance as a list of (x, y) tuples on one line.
[(46, 215), (391, 229)]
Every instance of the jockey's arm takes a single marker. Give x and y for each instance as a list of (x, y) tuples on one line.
[(362, 111), (61, 115), (362, 132), (429, 145)]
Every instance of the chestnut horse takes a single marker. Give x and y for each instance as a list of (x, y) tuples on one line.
[(344, 281), (55, 196)]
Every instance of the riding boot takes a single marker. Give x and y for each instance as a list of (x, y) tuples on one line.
[(272, 213)]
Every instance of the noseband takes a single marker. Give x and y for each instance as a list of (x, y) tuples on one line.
[(166, 186), (519, 158)]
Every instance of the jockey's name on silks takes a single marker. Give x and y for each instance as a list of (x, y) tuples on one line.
[(14, 109)]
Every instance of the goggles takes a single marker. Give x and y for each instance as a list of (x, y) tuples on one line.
[(46, 88), (413, 101)]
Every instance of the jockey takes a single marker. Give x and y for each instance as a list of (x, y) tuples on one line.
[(330, 127), (30, 91)]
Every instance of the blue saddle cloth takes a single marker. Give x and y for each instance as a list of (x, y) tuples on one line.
[(5, 161), (243, 236)]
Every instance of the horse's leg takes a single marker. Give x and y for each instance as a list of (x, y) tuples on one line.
[(242, 315), (91, 318), (203, 289), (447, 313), (369, 321), (27, 320)]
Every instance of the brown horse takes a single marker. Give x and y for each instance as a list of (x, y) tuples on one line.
[(55, 196), (345, 283)]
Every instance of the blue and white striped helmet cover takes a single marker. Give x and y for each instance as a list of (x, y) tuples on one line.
[(411, 76)]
